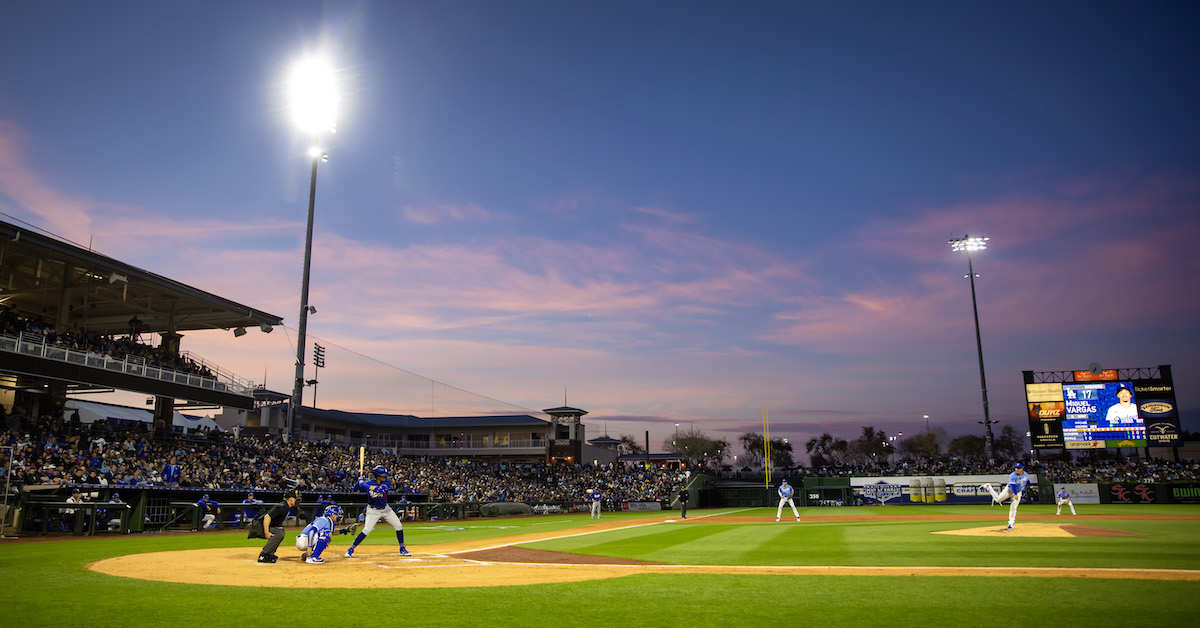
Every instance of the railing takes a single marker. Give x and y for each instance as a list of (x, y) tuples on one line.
[(513, 443), (35, 345)]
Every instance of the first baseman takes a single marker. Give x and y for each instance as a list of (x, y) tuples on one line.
[(1018, 481), (595, 495), (377, 508), (1063, 496), (785, 497)]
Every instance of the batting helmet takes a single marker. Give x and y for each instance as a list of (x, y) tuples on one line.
[(379, 470), (333, 511)]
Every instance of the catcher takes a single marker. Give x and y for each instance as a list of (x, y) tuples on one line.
[(315, 537)]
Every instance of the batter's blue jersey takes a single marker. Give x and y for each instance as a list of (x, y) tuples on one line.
[(786, 490), (377, 492), (1018, 481)]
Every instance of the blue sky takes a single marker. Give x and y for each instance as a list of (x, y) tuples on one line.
[(674, 211)]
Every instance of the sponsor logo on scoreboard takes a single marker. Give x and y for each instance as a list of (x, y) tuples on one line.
[(1156, 407)]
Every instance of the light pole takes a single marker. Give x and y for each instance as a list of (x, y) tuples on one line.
[(968, 243), (926, 423), (314, 107)]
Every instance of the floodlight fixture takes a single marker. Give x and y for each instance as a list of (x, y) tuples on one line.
[(969, 243), (313, 94), (239, 332)]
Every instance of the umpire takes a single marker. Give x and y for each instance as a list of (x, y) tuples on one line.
[(276, 515)]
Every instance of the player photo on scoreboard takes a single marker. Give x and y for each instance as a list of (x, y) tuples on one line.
[(1098, 412)]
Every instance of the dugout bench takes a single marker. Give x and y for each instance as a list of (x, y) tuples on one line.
[(85, 513)]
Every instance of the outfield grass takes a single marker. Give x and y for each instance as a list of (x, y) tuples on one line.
[(47, 583), (706, 540)]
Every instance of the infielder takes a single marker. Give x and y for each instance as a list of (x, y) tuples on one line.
[(1063, 497), (314, 538), (595, 495), (377, 508), (1018, 481), (785, 497)]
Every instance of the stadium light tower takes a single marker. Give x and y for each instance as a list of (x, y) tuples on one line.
[(968, 243), (313, 99)]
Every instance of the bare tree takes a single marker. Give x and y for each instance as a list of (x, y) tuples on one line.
[(1010, 445), (925, 446), (969, 447), (871, 447), (781, 450), (629, 445), (827, 450), (697, 449)]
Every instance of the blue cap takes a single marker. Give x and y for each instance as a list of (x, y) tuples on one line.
[(1019, 466), (116, 495), (205, 496)]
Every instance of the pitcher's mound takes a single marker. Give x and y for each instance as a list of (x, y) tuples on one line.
[(1045, 530)]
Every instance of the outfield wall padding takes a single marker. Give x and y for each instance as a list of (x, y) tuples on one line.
[(504, 508)]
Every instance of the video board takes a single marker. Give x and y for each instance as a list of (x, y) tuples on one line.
[(1099, 409)]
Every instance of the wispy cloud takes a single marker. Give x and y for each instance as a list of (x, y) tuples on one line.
[(443, 213)]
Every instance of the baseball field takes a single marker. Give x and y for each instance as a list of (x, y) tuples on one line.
[(906, 565)]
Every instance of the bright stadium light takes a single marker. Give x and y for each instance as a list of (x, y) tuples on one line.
[(969, 244), (312, 92), (313, 95)]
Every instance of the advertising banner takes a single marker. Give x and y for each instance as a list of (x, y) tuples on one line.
[(934, 489), (1131, 493), (1081, 493), (641, 506), (1183, 493)]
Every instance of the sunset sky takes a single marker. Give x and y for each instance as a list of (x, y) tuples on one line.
[(660, 212)]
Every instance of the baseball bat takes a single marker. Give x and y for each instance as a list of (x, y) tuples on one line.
[(362, 457)]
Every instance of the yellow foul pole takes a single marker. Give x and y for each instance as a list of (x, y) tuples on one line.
[(767, 446)]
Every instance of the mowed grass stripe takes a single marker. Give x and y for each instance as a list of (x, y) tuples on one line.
[(1164, 545)]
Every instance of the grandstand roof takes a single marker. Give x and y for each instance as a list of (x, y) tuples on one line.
[(411, 421), (104, 294)]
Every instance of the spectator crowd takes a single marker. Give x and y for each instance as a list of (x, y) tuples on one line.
[(52, 450), (102, 346), (49, 451)]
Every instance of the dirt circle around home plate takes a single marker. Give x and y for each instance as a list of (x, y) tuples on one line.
[(497, 562)]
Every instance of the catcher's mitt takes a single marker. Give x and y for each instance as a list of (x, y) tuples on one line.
[(350, 529)]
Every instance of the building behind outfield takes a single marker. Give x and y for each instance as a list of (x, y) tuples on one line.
[(508, 437)]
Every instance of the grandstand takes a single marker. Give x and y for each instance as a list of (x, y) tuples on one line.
[(74, 321), (78, 321)]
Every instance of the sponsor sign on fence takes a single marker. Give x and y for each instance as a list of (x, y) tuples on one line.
[(1081, 493), (641, 506), (943, 489)]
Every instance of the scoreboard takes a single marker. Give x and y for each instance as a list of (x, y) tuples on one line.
[(1100, 409)]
